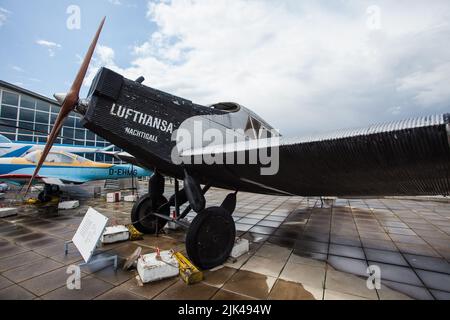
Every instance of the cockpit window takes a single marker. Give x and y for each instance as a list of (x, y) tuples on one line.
[(81, 159), (32, 157), (52, 157), (254, 129), (58, 158)]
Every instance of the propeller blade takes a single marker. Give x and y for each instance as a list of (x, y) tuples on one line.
[(69, 103)]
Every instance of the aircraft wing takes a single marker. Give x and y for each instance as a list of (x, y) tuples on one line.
[(124, 156), (23, 178), (409, 157)]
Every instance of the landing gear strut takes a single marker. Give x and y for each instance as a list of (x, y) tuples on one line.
[(211, 235)]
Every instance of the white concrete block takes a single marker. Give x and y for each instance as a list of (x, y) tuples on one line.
[(151, 269), (7, 212), (130, 198), (4, 187), (115, 234), (66, 205), (172, 225), (241, 246), (113, 197)]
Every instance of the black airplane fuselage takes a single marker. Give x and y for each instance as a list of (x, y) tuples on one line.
[(410, 157)]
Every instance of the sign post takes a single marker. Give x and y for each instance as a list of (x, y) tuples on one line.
[(88, 236)]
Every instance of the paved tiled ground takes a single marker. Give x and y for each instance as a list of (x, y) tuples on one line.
[(299, 250)]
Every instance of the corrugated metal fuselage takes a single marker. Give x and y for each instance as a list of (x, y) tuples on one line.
[(402, 158)]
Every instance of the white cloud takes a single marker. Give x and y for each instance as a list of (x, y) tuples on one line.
[(104, 57), (51, 46), (115, 2), (17, 69), (303, 66), (4, 14)]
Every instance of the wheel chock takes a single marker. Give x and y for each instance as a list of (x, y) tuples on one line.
[(188, 272)]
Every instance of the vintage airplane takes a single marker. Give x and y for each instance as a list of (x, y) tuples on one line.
[(409, 157), (62, 168)]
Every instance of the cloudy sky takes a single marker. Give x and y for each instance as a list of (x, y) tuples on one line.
[(304, 66)]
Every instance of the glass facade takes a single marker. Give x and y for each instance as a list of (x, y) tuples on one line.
[(34, 117)]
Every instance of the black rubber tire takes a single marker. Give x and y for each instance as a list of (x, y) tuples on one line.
[(143, 208), (44, 197), (210, 238)]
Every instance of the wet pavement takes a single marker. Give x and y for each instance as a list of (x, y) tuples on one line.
[(299, 250)]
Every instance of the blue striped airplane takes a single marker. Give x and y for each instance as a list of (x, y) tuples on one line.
[(62, 168)]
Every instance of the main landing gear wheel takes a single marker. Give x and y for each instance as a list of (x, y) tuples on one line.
[(141, 214), (210, 238), (44, 197), (49, 191)]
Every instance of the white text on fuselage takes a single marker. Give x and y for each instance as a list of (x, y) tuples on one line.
[(141, 134), (141, 118)]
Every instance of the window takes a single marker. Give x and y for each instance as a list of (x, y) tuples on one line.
[(42, 106), (249, 129), (78, 123), (100, 144), (8, 126), (42, 117), (53, 118), (79, 134), (255, 130), (25, 127), (69, 122), (68, 133), (41, 139), (27, 102), (9, 112), (58, 158), (25, 138), (54, 109), (41, 128), (67, 141), (90, 143), (81, 159), (32, 156), (90, 135), (26, 115), (100, 157), (10, 98)]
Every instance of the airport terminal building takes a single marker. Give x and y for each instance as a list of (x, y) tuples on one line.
[(28, 116)]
